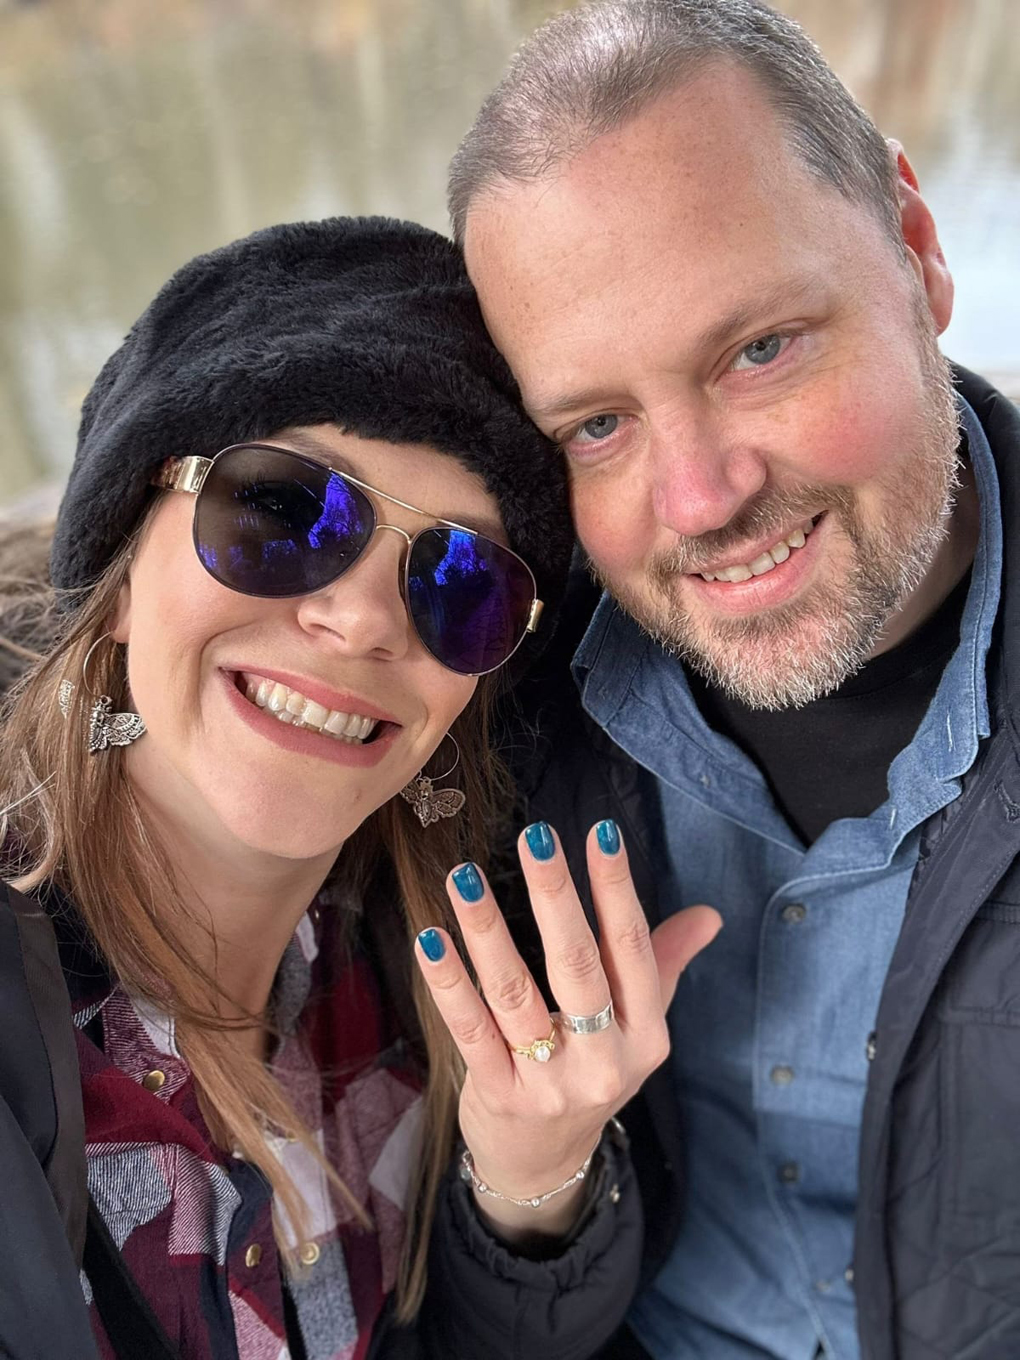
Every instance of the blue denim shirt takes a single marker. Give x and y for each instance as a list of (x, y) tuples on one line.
[(770, 1027)]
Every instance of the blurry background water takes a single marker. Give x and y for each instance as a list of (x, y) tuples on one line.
[(135, 133)]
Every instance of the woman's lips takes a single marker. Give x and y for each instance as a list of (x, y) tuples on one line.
[(305, 741), (315, 689)]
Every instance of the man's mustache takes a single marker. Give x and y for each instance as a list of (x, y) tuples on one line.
[(769, 513)]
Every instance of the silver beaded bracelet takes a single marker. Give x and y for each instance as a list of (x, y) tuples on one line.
[(468, 1173)]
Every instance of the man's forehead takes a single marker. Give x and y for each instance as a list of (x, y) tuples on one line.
[(690, 174), (545, 269), (707, 135)]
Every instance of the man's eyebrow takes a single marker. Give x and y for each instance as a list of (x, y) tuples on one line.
[(774, 301), (777, 299), (581, 399), (324, 452)]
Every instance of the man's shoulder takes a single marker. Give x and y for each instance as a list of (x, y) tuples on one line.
[(547, 692), (580, 600), (998, 414)]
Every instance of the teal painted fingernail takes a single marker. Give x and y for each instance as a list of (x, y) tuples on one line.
[(608, 835), (431, 944), (469, 883), (540, 840)]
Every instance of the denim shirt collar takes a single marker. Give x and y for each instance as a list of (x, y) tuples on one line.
[(639, 695)]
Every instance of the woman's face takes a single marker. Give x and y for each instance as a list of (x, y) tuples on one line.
[(217, 762)]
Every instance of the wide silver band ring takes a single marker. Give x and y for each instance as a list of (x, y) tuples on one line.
[(586, 1024)]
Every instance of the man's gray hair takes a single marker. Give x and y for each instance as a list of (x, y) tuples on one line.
[(590, 70)]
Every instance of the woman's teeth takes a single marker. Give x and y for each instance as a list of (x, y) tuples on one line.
[(288, 706), (779, 552)]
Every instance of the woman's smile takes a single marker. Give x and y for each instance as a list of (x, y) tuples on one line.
[(357, 733)]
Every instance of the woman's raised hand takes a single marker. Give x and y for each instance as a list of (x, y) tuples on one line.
[(530, 1124)]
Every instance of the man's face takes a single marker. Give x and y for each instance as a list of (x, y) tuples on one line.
[(742, 370)]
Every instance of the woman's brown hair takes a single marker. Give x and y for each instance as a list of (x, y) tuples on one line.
[(70, 820)]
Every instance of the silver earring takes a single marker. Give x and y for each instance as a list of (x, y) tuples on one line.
[(105, 728), (428, 803)]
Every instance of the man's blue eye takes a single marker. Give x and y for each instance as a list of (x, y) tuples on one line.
[(599, 427), (763, 350)]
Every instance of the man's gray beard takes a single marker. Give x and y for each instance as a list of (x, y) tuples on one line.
[(788, 656)]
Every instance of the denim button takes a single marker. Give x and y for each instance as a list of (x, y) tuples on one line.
[(789, 1173), (793, 913), (781, 1075)]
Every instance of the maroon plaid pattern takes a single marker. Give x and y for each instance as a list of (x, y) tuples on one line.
[(194, 1224)]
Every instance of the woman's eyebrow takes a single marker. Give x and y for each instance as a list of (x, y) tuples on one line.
[(319, 449), (322, 451)]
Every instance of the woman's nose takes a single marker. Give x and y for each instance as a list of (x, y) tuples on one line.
[(364, 609)]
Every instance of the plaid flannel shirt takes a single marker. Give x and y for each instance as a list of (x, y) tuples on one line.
[(194, 1224)]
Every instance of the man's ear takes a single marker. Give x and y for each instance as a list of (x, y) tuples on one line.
[(921, 239)]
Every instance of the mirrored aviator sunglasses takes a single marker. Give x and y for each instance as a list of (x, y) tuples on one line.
[(273, 523)]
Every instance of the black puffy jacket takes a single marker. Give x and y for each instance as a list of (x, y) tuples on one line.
[(937, 1249)]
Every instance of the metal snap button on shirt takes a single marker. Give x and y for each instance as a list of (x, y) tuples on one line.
[(253, 1256), (154, 1080), (793, 913), (309, 1253), (789, 1173), (781, 1075)]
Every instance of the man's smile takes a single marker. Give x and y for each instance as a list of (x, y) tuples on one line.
[(742, 589), (758, 563)]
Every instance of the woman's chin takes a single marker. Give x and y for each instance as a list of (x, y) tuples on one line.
[(299, 846), (300, 833)]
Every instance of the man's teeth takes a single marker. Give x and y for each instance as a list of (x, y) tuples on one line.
[(779, 552), (288, 706)]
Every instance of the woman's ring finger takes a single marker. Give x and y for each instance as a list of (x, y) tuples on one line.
[(585, 1024)]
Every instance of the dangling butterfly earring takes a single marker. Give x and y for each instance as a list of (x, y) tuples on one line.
[(428, 804), (105, 728)]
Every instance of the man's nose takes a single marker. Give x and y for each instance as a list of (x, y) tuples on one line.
[(701, 473), (363, 611)]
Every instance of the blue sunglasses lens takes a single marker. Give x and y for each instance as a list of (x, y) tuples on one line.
[(272, 523), (468, 597)]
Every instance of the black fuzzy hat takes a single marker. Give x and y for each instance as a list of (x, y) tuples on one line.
[(367, 323)]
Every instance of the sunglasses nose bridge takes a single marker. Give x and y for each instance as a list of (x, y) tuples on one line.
[(397, 530), (402, 568)]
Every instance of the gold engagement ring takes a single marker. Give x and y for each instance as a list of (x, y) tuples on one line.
[(539, 1051)]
